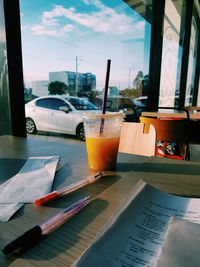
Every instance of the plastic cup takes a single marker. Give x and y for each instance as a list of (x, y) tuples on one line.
[(102, 132)]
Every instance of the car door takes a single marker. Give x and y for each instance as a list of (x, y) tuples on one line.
[(41, 114), (61, 120)]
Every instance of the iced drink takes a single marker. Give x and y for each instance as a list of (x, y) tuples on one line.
[(102, 142), (102, 152)]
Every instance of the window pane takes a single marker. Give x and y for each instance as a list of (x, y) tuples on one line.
[(57, 103), (198, 98), (172, 53), (192, 61), (81, 104), (44, 103), (5, 121), (70, 42)]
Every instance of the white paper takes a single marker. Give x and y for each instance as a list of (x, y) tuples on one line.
[(181, 245), (7, 210), (33, 181), (136, 235)]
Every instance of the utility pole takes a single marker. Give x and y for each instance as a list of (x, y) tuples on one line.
[(76, 76), (129, 78)]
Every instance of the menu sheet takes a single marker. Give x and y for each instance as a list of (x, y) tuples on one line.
[(136, 235), (181, 245)]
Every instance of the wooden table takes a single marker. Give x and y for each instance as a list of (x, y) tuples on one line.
[(171, 113), (66, 244)]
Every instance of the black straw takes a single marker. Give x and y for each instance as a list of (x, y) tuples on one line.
[(105, 94), (106, 87)]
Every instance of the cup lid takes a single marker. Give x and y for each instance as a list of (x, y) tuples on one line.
[(108, 115)]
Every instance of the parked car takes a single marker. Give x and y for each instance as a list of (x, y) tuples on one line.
[(60, 114), (120, 104)]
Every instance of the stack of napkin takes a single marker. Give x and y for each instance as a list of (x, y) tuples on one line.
[(33, 181)]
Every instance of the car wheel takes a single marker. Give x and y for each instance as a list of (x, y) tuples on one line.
[(30, 126), (80, 133)]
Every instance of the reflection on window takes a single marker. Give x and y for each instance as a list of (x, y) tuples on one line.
[(44, 103), (81, 104), (5, 121), (171, 53), (71, 41), (192, 62), (198, 99)]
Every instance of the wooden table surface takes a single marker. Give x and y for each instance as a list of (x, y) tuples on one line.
[(171, 113), (63, 246)]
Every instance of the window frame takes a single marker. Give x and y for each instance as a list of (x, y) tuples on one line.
[(15, 68)]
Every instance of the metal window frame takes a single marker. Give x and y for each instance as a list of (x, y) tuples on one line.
[(158, 9), (197, 69), (185, 55), (15, 68)]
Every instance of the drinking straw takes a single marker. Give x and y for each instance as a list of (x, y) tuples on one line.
[(105, 93)]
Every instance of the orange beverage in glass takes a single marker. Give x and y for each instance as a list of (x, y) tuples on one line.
[(102, 152), (102, 133)]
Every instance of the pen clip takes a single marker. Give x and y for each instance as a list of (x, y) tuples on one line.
[(99, 174)]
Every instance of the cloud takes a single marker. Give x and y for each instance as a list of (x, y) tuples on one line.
[(49, 21), (68, 28), (139, 25), (41, 30), (104, 19)]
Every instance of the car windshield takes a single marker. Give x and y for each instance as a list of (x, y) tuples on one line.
[(81, 104)]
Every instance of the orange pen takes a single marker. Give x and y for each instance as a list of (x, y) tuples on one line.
[(69, 189)]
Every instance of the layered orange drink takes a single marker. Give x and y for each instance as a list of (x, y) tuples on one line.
[(102, 133), (102, 152)]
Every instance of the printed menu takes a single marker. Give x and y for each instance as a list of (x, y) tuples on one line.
[(135, 236)]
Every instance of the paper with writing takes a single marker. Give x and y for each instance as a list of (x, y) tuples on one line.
[(135, 236)]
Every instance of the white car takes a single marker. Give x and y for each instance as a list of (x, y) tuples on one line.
[(61, 114)]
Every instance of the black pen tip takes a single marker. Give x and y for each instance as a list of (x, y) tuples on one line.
[(30, 237)]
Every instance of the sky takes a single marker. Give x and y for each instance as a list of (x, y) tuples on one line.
[(55, 32)]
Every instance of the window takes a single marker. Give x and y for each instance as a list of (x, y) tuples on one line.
[(57, 103), (81, 104), (11, 77), (192, 60), (71, 41), (44, 103), (5, 121), (172, 53)]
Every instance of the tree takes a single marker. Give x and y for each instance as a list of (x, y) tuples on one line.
[(93, 97), (57, 88), (93, 94), (131, 92)]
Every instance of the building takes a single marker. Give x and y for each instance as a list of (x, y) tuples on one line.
[(84, 83), (40, 88), (113, 91), (77, 82), (61, 76)]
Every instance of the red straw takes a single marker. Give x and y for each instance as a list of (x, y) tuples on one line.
[(105, 93)]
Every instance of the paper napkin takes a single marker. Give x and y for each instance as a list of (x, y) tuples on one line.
[(33, 181)]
